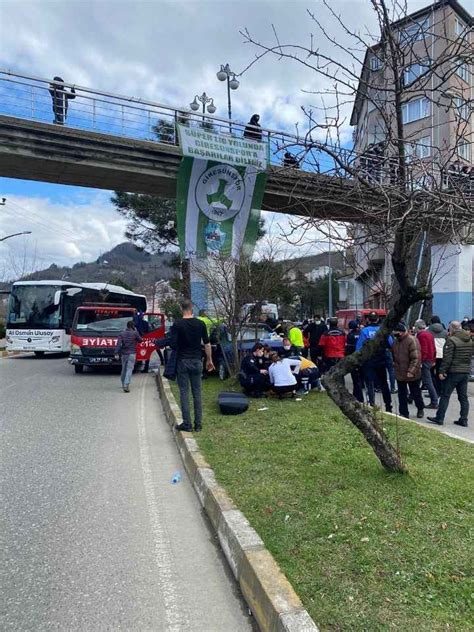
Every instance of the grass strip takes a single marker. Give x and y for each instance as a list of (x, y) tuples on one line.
[(363, 548)]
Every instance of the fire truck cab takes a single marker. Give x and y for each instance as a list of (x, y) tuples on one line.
[(95, 331)]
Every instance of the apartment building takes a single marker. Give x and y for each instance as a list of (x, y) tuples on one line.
[(435, 49)]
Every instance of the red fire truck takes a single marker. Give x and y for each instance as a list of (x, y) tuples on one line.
[(346, 315), (95, 331)]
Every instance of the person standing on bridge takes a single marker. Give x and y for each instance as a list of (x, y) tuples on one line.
[(60, 98), (253, 129), (126, 349)]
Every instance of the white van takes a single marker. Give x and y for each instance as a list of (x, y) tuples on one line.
[(266, 309)]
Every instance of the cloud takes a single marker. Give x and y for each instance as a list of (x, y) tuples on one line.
[(164, 51), (169, 50), (62, 232)]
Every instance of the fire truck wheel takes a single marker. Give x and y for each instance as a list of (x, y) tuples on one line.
[(78, 368)]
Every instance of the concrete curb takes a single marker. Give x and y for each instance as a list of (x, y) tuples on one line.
[(6, 354), (269, 595)]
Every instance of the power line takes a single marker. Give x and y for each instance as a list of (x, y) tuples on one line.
[(35, 219)]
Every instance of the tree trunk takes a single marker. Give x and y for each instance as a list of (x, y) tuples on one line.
[(186, 278), (364, 419)]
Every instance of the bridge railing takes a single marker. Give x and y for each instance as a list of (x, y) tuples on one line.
[(37, 99), (32, 98)]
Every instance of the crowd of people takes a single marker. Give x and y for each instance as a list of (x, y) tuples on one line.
[(429, 358), (426, 357)]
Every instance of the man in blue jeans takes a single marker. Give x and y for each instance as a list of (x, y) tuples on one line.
[(188, 334), (454, 373), (375, 369), (125, 349)]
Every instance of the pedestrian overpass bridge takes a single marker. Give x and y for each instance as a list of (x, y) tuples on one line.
[(120, 143)]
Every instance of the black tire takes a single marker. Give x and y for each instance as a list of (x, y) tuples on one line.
[(39, 354), (222, 371), (78, 368)]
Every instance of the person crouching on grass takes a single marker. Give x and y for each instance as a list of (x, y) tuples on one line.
[(281, 375)]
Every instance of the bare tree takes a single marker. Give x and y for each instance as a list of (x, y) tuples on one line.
[(22, 263), (233, 285), (404, 198)]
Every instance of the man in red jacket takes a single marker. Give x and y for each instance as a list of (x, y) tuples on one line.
[(428, 360), (332, 344)]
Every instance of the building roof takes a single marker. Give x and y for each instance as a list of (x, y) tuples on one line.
[(454, 4), (412, 17)]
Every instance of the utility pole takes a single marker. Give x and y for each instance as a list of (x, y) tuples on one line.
[(330, 277)]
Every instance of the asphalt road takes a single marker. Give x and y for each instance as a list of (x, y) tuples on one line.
[(95, 535)]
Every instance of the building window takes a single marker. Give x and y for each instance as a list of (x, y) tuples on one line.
[(375, 134), (463, 108), (375, 63), (411, 73), (459, 27), (415, 31), (420, 148), (375, 100), (462, 70), (415, 110), (464, 150)]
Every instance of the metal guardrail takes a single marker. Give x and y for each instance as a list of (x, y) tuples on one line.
[(33, 98)]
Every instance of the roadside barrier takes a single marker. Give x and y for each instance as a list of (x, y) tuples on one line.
[(269, 595)]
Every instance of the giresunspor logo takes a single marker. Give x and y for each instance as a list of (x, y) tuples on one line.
[(220, 192)]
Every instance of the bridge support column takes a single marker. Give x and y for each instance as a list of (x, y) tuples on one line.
[(451, 266), (199, 286)]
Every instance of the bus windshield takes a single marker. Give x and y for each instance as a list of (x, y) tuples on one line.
[(101, 320), (33, 305)]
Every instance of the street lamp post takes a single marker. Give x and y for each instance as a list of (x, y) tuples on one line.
[(25, 232), (225, 73), (205, 100)]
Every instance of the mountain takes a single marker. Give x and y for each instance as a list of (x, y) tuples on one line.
[(125, 263), (139, 269)]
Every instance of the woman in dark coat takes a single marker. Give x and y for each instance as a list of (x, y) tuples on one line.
[(253, 129), (60, 99)]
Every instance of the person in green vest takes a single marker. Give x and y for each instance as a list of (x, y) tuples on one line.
[(206, 320), (295, 336)]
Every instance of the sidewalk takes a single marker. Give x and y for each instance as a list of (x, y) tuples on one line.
[(452, 414)]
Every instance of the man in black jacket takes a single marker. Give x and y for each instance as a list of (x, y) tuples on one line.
[(60, 97), (351, 341), (187, 336), (253, 374), (315, 330)]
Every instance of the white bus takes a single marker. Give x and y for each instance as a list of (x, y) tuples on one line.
[(40, 313)]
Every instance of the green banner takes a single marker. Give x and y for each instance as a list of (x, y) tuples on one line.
[(218, 205)]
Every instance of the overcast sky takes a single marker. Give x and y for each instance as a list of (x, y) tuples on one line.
[(161, 50)]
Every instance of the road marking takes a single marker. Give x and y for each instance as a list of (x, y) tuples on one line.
[(177, 620)]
